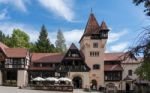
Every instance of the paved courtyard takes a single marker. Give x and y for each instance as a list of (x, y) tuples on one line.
[(16, 90)]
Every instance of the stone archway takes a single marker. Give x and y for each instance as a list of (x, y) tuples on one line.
[(94, 84), (77, 82), (127, 87), (111, 88)]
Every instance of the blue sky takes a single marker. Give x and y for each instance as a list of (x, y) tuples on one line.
[(124, 19)]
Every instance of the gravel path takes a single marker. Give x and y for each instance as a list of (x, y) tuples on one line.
[(4, 89)]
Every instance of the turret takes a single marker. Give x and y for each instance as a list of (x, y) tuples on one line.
[(104, 30)]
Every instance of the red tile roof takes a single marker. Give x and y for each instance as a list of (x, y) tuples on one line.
[(113, 67), (113, 56), (92, 25), (132, 61), (103, 26), (16, 52), (120, 57), (2, 45), (47, 57)]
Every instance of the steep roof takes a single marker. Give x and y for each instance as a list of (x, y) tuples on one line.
[(2, 45), (73, 46), (120, 57), (92, 26), (47, 57), (113, 56), (104, 26), (116, 67), (16, 52)]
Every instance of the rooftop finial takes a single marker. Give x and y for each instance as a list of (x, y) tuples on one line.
[(91, 10)]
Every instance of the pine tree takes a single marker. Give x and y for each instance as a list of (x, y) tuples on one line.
[(43, 44), (6, 39), (60, 42)]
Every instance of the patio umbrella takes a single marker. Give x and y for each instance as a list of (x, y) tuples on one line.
[(65, 79), (51, 79), (38, 79)]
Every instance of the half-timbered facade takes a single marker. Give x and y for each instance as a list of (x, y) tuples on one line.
[(14, 66), (74, 66)]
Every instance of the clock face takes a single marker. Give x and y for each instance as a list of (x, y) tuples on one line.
[(87, 45)]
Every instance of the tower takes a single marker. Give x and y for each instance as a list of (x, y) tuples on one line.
[(92, 44)]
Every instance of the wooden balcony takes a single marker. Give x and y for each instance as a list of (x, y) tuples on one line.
[(73, 68)]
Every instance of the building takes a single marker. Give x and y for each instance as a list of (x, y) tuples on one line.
[(88, 67)]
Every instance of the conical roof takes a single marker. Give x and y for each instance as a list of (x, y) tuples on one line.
[(103, 26), (92, 25)]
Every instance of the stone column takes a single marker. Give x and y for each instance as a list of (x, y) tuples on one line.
[(1, 80), (22, 79)]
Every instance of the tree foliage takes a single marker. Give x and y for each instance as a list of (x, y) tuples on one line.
[(19, 39), (143, 46), (43, 44), (146, 5), (60, 42), (5, 38), (142, 49)]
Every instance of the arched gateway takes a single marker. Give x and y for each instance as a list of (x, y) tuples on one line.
[(77, 82)]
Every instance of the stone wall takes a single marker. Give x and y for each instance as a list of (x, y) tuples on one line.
[(22, 78), (1, 81)]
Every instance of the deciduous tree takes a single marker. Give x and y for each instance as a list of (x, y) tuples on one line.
[(60, 42)]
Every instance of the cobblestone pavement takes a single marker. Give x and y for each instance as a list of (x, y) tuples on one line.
[(4, 89)]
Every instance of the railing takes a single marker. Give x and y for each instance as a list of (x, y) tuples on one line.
[(67, 88), (73, 68)]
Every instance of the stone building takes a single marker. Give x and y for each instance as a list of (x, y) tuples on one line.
[(88, 67)]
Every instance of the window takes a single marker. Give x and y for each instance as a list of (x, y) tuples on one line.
[(94, 53), (130, 72), (95, 45), (96, 66), (113, 76)]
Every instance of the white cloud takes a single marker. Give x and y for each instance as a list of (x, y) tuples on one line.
[(59, 7), (116, 36), (119, 47), (72, 36), (8, 27), (18, 4), (3, 14)]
